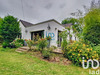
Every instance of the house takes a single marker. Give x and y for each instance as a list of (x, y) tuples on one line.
[(50, 28)]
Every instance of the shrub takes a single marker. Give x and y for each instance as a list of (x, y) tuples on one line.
[(97, 49), (35, 48), (16, 43), (46, 54), (5, 44), (42, 43), (54, 47), (20, 41), (77, 50), (64, 44), (30, 43), (48, 37)]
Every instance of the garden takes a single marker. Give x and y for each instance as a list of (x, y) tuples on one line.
[(40, 58)]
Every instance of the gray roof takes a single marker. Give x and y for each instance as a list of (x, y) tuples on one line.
[(26, 24)]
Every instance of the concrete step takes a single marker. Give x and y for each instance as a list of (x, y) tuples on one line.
[(58, 50), (22, 49)]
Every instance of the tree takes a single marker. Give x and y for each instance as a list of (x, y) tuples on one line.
[(1, 38), (0, 21), (91, 31), (9, 28), (76, 25)]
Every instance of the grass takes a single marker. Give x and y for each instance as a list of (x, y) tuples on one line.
[(13, 63)]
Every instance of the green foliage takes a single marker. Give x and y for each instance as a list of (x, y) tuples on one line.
[(64, 35), (30, 43), (46, 53), (9, 28), (97, 49), (5, 44), (42, 43), (76, 25), (91, 31), (77, 50), (35, 48), (20, 41), (69, 20), (1, 39), (54, 47), (17, 43), (48, 37), (64, 44)]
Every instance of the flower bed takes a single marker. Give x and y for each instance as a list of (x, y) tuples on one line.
[(77, 50)]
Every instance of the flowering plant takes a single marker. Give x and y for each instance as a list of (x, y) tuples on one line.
[(30, 43), (17, 43), (42, 43), (77, 50), (48, 37)]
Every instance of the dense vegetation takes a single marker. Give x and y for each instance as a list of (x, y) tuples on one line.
[(91, 31), (9, 29), (88, 45)]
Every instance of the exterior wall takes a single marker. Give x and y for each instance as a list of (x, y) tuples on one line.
[(53, 32), (22, 30)]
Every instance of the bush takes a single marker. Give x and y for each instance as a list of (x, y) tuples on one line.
[(48, 37), (5, 44), (20, 41), (64, 44), (30, 43), (42, 43), (46, 54), (54, 47), (97, 49), (77, 50), (35, 48), (16, 43)]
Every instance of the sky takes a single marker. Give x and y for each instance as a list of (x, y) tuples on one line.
[(35, 11)]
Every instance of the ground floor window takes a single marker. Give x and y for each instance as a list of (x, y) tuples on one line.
[(37, 34)]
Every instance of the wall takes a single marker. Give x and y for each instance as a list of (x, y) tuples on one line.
[(22, 30)]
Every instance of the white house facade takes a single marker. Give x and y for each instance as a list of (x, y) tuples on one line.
[(50, 28)]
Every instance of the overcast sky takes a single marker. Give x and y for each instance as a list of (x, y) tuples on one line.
[(35, 11)]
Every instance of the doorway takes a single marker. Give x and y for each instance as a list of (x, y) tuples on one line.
[(59, 39)]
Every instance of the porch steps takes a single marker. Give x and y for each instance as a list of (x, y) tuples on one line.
[(22, 49)]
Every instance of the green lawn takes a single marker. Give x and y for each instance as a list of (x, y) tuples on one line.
[(13, 63)]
